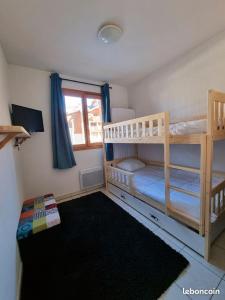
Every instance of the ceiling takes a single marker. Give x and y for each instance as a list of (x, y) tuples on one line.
[(60, 35)]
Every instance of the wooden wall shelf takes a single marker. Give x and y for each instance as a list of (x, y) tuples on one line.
[(11, 132)]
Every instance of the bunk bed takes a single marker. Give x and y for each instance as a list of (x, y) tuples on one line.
[(188, 202)]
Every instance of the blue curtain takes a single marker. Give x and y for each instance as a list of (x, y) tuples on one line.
[(63, 157), (107, 117)]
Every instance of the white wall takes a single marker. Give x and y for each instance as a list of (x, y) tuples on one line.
[(10, 200), (181, 88), (31, 88)]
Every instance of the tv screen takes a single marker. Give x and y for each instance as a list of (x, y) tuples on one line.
[(30, 119)]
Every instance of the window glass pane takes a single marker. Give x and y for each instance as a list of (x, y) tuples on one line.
[(74, 113), (94, 119)]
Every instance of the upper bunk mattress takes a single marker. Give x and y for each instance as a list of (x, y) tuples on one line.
[(150, 182), (180, 128), (189, 127)]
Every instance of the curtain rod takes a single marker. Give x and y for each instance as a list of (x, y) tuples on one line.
[(82, 82)]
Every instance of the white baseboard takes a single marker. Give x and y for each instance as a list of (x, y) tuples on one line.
[(71, 196), (19, 282)]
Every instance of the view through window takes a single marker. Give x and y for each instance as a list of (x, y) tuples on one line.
[(84, 116)]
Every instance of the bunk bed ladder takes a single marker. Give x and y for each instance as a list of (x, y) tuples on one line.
[(198, 224)]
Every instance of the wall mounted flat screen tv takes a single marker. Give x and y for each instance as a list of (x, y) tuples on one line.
[(31, 119)]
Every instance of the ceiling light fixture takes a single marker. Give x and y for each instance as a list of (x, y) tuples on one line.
[(109, 33)]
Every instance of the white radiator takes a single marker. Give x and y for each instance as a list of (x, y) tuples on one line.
[(93, 177)]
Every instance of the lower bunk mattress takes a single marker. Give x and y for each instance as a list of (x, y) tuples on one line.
[(150, 182)]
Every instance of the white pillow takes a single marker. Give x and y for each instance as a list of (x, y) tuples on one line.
[(131, 165)]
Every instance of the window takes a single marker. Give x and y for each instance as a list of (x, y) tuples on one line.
[(84, 116)]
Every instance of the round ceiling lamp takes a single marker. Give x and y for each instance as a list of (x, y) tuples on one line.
[(109, 33)]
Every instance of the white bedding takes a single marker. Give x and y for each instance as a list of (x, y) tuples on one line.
[(150, 182), (181, 128), (189, 127)]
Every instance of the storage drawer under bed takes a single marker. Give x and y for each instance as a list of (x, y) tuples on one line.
[(138, 205), (180, 231)]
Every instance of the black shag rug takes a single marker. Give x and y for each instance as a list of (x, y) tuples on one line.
[(99, 252)]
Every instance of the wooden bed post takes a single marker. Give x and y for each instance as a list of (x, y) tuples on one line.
[(209, 162), (167, 160), (209, 165), (105, 172), (104, 157), (202, 184)]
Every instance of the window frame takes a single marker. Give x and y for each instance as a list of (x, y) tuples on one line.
[(84, 95)]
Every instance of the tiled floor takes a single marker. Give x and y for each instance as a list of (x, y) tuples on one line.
[(199, 274)]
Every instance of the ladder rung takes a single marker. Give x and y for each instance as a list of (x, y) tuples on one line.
[(193, 170), (172, 211), (184, 191)]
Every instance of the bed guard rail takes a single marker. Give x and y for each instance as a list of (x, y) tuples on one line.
[(120, 177), (144, 129), (218, 199), (216, 114)]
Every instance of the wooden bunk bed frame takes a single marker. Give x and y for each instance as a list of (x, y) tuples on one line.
[(212, 200)]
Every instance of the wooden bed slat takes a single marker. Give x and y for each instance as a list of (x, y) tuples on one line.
[(182, 217), (183, 168), (180, 190), (143, 129), (215, 116)]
